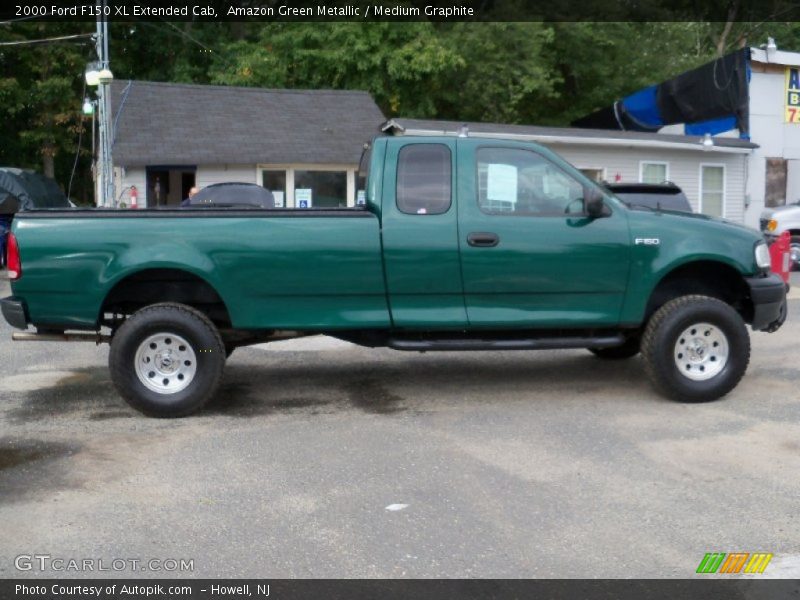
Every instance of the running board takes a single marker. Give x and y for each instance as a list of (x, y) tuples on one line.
[(543, 343)]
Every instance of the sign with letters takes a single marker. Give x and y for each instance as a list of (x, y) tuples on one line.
[(792, 95)]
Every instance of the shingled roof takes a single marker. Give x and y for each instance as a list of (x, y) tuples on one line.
[(187, 124), (569, 135)]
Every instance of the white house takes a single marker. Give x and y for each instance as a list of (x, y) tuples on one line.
[(297, 143)]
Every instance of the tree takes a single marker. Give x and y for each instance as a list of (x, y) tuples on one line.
[(402, 65), (41, 94)]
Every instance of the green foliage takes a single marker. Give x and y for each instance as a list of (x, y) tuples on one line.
[(40, 101), (532, 72), (401, 64)]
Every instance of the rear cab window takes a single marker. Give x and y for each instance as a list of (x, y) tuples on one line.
[(424, 179)]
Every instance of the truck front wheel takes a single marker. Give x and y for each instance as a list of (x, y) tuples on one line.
[(695, 349), (166, 360)]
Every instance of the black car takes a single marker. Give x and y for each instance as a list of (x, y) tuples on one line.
[(231, 195), (655, 196)]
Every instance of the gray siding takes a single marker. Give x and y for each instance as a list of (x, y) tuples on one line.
[(684, 169)]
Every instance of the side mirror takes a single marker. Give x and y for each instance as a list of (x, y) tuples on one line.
[(593, 201)]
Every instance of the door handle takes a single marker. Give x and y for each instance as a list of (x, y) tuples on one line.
[(483, 239)]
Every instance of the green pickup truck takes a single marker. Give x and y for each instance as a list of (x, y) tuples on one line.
[(465, 243)]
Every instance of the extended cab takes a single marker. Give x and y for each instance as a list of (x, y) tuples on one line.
[(465, 243)]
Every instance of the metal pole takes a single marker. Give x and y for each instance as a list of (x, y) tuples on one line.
[(110, 194), (105, 167), (99, 162)]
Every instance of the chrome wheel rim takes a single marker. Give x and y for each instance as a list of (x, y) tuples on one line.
[(701, 351), (165, 363)]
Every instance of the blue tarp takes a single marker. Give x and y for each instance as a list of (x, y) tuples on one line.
[(711, 99)]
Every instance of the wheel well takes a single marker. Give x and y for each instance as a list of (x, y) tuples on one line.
[(164, 285), (708, 278)]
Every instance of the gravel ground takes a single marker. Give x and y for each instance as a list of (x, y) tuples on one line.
[(322, 459)]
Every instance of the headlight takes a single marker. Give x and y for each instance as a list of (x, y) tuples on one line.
[(763, 259), (772, 225)]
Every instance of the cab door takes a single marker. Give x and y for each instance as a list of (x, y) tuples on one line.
[(530, 254), (420, 234)]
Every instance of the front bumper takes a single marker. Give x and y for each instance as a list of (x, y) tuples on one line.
[(768, 295), (15, 312)]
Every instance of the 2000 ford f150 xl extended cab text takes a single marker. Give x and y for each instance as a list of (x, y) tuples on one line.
[(466, 243)]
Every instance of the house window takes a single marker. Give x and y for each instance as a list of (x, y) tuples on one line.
[(309, 185), (320, 189), (653, 172), (275, 182), (712, 190), (597, 175)]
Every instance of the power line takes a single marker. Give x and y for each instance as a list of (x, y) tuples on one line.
[(198, 42), (47, 40), (12, 21)]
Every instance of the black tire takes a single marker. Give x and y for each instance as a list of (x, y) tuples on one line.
[(629, 349), (661, 350), (204, 345)]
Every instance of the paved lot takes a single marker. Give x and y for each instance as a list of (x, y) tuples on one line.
[(501, 464)]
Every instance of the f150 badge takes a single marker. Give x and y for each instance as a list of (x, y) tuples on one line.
[(647, 241)]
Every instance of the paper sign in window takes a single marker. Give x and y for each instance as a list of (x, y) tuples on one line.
[(302, 198), (501, 183)]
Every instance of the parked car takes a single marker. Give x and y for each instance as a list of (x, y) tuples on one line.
[(774, 221), (23, 189), (5, 226), (655, 196), (233, 195), (464, 244)]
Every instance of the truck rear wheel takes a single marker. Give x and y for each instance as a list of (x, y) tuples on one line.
[(695, 349), (166, 360)]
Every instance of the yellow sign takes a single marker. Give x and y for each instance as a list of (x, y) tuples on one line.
[(792, 95)]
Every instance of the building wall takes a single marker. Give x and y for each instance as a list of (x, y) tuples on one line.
[(776, 139), (683, 169), (206, 175), (683, 165)]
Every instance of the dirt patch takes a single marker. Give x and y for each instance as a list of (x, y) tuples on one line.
[(370, 396), (241, 400), (26, 467), (81, 392)]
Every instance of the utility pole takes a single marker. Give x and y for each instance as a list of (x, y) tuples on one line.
[(105, 164)]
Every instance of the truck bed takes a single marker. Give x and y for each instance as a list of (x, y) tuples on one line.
[(306, 269)]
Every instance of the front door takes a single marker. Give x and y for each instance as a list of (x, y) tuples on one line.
[(420, 235), (530, 255)]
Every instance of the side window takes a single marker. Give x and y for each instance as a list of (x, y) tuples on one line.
[(653, 172), (423, 179), (522, 182)]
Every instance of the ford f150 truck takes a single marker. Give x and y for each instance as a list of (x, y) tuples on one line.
[(465, 243)]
